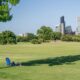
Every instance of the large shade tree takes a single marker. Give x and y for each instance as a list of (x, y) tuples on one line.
[(7, 37), (45, 33), (5, 9)]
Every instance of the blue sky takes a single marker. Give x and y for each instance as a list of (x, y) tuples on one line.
[(30, 15)]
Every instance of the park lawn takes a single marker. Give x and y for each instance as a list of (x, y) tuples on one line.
[(25, 52)]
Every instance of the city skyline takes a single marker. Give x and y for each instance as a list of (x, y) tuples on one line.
[(30, 15), (63, 28)]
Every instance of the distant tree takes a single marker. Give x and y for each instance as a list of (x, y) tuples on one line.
[(36, 41), (67, 38), (56, 35), (30, 36), (5, 9), (45, 33), (7, 37), (21, 38), (27, 38), (76, 38)]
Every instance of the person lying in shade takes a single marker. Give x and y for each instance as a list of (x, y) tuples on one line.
[(9, 63)]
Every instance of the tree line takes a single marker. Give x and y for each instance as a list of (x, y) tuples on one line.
[(44, 34)]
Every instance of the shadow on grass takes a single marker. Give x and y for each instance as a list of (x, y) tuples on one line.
[(53, 61), (4, 67)]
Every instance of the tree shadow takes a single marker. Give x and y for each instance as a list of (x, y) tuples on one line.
[(53, 61), (4, 67)]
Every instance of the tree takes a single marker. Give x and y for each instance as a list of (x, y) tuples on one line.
[(30, 36), (5, 9), (21, 38), (45, 33), (7, 37), (67, 38), (27, 38), (75, 38), (36, 41), (57, 35)]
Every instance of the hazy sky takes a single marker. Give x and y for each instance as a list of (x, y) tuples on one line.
[(30, 15)]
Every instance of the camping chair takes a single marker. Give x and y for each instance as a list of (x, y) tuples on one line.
[(8, 61)]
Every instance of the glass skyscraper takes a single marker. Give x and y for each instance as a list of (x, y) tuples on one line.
[(62, 25)]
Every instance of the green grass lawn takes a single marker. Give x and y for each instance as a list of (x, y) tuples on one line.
[(26, 52)]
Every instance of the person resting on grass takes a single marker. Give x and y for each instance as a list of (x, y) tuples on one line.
[(9, 63)]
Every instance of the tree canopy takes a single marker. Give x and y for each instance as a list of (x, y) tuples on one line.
[(57, 35), (45, 33), (7, 37), (5, 9)]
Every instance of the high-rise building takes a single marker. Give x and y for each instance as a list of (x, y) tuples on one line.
[(62, 25), (65, 29), (62, 19), (57, 29), (68, 30), (78, 26)]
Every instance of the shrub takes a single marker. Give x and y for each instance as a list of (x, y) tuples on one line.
[(66, 38), (22, 39), (36, 41), (74, 38), (56, 36)]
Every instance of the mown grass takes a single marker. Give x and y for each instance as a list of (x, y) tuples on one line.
[(26, 52)]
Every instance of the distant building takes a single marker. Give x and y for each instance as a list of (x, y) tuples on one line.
[(23, 34), (78, 26), (62, 28), (20, 34), (62, 19), (58, 29), (62, 25), (65, 29), (68, 30)]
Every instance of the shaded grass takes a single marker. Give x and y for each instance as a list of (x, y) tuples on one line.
[(53, 61)]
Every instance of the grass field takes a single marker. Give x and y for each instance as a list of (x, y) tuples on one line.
[(41, 55)]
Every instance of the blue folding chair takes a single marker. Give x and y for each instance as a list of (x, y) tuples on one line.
[(8, 61)]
